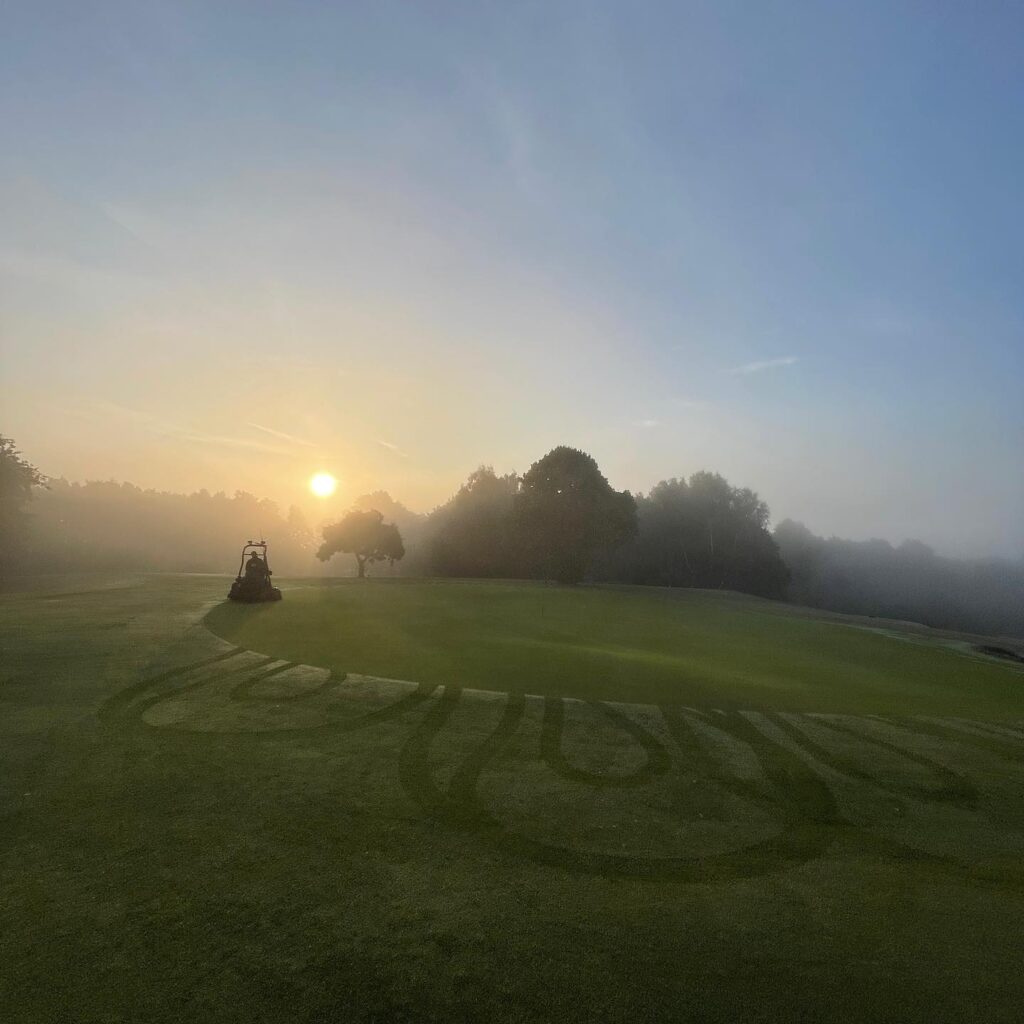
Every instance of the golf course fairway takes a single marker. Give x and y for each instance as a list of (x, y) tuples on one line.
[(630, 644), (378, 801)]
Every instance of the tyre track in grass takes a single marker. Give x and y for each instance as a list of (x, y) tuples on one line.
[(792, 789), (256, 671), (112, 708), (807, 836), (1006, 748), (242, 693), (129, 706), (656, 762), (955, 788)]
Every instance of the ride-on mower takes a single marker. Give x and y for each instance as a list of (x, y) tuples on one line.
[(253, 581)]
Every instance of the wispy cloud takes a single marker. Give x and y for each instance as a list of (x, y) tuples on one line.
[(165, 428), (282, 436), (145, 420), (242, 443), (765, 364), (393, 448), (647, 424)]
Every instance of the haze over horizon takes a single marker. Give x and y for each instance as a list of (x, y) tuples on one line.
[(241, 244)]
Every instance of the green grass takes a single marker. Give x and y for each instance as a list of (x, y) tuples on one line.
[(630, 644), (188, 833)]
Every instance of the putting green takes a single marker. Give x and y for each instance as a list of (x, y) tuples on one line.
[(625, 644)]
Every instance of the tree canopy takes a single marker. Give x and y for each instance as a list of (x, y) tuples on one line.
[(702, 533), (365, 535), (17, 478), (473, 533), (562, 520), (566, 513)]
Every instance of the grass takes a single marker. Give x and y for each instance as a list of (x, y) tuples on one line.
[(191, 832), (630, 644)]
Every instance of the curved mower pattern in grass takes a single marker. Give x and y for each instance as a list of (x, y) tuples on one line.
[(218, 797), (545, 779), (635, 645)]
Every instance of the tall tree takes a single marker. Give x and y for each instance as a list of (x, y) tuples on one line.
[(473, 531), (17, 478), (566, 513), (702, 533), (365, 535)]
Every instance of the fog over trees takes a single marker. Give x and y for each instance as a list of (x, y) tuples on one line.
[(473, 533), (102, 525), (905, 581), (561, 520), (366, 536), (701, 532)]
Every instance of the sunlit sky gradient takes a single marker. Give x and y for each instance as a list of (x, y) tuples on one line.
[(241, 243)]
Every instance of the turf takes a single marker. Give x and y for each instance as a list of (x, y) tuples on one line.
[(625, 644), (192, 830)]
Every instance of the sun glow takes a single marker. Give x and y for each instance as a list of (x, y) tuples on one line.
[(322, 484)]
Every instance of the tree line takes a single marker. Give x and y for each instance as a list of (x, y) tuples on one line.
[(107, 526), (561, 520), (903, 581)]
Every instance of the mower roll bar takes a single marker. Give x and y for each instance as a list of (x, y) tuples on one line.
[(253, 545)]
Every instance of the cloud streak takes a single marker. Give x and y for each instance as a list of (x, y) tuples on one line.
[(393, 448), (241, 443), (165, 428), (282, 436), (764, 364)]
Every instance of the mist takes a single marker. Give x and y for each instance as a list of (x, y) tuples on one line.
[(511, 512), (700, 532), (906, 581), (628, 233)]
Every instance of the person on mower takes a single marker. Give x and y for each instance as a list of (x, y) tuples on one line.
[(255, 568)]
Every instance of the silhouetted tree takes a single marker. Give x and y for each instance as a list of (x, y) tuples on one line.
[(413, 526), (561, 521), (566, 513), (473, 533), (365, 535), (17, 478), (702, 533)]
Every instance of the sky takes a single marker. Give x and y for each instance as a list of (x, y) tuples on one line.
[(241, 243)]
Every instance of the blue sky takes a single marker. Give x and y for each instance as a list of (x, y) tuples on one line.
[(244, 241)]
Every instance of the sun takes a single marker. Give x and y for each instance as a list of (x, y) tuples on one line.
[(322, 484)]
